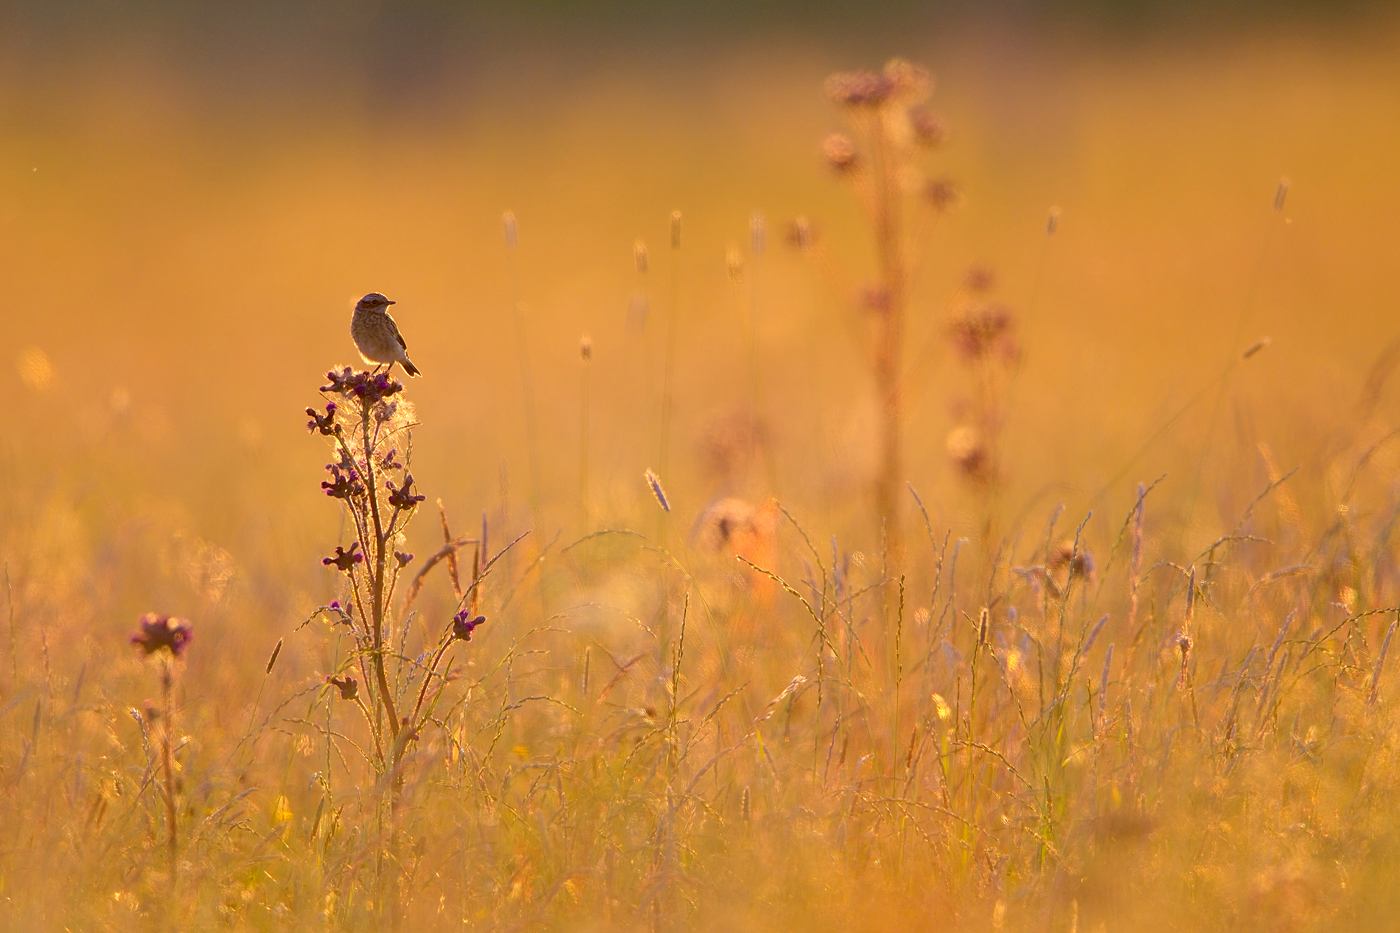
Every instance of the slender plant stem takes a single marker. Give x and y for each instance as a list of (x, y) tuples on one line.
[(585, 378), (377, 586), (168, 765), (668, 369)]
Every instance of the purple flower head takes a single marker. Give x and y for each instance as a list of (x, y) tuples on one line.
[(342, 486), (859, 88), (403, 557), (168, 632), (389, 463), (341, 614), (928, 130), (463, 625), (323, 423), (349, 687), (344, 560), (338, 380), (983, 330), (941, 194), (367, 387), (372, 389), (403, 497)]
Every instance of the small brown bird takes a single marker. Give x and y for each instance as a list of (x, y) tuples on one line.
[(376, 335)]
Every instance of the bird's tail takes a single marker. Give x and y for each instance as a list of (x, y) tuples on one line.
[(409, 368)]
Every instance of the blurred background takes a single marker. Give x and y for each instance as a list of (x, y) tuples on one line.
[(192, 198)]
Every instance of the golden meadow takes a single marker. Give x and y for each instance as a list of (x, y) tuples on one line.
[(1104, 649)]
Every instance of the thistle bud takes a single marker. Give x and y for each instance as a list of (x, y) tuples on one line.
[(839, 153), (928, 130), (941, 194)]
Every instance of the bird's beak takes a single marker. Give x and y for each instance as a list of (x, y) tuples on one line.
[(388, 302)]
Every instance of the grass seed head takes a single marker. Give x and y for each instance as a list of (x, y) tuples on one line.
[(799, 234), (654, 482)]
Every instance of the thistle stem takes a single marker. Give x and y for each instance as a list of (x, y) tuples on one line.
[(168, 766)]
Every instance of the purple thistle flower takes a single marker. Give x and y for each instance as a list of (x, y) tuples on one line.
[(337, 380), (343, 486), (982, 330), (323, 423), (345, 560), (367, 387), (929, 131), (463, 625), (403, 557), (341, 613), (859, 88), (349, 687), (372, 389), (168, 632), (403, 497)]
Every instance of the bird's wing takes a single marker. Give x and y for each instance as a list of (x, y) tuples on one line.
[(397, 336)]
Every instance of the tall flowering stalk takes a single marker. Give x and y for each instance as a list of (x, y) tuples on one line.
[(891, 129), (164, 638), (368, 424), (982, 332)]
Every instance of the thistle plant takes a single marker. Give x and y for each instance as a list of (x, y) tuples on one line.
[(883, 161), (164, 639), (369, 425)]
